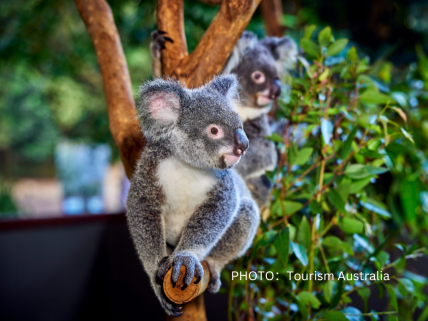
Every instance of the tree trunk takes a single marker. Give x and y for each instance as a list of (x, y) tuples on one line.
[(272, 15)]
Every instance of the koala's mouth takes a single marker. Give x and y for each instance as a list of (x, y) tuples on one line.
[(263, 100), (231, 159)]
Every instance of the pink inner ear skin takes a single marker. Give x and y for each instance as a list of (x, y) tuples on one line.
[(164, 107)]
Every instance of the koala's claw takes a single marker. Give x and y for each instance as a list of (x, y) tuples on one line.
[(164, 265), (192, 265), (214, 284), (171, 308), (159, 39)]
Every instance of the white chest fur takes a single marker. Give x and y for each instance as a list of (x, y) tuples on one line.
[(248, 113), (185, 188)]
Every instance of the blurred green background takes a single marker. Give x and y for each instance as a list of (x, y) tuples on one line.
[(51, 88)]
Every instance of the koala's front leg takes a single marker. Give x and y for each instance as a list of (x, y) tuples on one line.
[(202, 232), (147, 229), (157, 44)]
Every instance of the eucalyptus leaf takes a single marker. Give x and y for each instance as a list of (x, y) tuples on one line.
[(351, 226), (336, 47), (282, 244), (334, 316), (359, 171), (310, 47), (304, 233), (303, 155), (300, 251), (348, 143), (307, 297)]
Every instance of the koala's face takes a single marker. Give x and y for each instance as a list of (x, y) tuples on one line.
[(209, 133), (200, 126), (258, 76)]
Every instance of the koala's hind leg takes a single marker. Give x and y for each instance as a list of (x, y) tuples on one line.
[(157, 44), (234, 242)]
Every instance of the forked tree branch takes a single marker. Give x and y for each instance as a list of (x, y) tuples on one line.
[(213, 50), (272, 13), (124, 126)]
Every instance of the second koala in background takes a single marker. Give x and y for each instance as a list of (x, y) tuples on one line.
[(258, 65)]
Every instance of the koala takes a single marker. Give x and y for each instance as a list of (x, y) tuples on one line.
[(186, 203), (258, 65)]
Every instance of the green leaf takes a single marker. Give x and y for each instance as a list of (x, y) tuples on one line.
[(307, 297), (304, 233), (303, 155), (309, 31), (328, 290), (364, 293), (359, 185), (324, 37), (335, 243), (282, 244), (359, 171), (374, 97), (351, 226), (391, 291), (369, 153), (332, 241), (315, 207), (407, 135), (324, 74), (348, 143), (376, 207), (292, 207), (409, 198), (334, 316), (302, 307), (334, 198), (275, 138), (300, 252), (352, 55), (310, 47), (336, 47)]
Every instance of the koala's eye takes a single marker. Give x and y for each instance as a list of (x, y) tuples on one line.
[(258, 77), (215, 131)]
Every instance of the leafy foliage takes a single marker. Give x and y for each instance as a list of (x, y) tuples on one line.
[(350, 183)]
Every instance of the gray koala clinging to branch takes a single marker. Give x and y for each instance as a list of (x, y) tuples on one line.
[(258, 66), (185, 203)]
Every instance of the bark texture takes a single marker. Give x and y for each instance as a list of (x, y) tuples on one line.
[(124, 126), (213, 50), (272, 15)]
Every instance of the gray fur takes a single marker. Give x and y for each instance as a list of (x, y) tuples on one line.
[(271, 56), (207, 213)]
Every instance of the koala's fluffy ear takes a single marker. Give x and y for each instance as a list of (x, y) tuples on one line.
[(159, 107), (247, 41), (283, 49), (226, 85)]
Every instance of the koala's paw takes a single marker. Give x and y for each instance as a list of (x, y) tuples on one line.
[(186, 259), (159, 39), (169, 307), (215, 282)]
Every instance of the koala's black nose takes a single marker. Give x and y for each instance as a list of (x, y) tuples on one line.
[(275, 90), (241, 141)]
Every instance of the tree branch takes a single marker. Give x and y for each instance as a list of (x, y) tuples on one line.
[(272, 15), (213, 50), (124, 126)]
